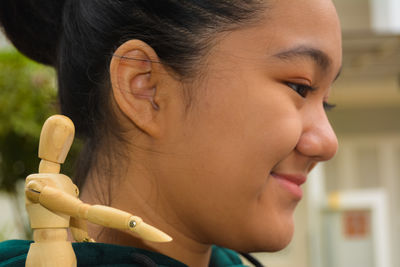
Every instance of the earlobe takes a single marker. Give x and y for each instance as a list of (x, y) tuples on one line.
[(134, 81)]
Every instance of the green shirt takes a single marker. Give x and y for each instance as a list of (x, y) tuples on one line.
[(13, 253)]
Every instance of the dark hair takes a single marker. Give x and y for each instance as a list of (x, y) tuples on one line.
[(78, 38)]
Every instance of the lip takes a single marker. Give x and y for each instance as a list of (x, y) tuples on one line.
[(291, 183)]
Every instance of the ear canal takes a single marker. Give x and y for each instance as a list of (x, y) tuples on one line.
[(144, 89), (141, 87), (153, 103)]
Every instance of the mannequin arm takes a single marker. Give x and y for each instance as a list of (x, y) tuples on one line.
[(59, 201), (78, 229)]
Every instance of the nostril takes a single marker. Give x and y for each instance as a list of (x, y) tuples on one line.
[(309, 145)]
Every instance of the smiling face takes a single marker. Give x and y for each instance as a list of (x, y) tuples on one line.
[(234, 161)]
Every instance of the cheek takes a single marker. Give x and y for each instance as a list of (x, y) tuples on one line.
[(242, 127), (237, 137), (245, 131), (232, 186), (227, 147)]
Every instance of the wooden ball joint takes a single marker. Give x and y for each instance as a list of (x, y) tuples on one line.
[(53, 205)]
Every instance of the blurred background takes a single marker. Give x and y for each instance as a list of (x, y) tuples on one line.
[(350, 214), (27, 98)]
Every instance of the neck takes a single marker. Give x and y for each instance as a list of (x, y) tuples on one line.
[(140, 197)]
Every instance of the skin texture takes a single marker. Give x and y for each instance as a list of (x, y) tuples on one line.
[(207, 175)]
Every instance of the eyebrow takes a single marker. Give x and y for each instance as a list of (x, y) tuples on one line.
[(318, 56), (338, 74)]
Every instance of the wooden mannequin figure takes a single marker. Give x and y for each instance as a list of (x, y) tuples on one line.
[(50, 228), (52, 198)]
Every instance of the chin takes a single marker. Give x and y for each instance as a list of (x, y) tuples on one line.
[(276, 245), (272, 240), (272, 245)]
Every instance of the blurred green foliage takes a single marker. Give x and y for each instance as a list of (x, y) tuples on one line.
[(28, 96), (27, 92), (27, 99)]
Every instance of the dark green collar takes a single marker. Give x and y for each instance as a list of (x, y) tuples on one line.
[(13, 253)]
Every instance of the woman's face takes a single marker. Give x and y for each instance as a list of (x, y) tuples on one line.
[(255, 129)]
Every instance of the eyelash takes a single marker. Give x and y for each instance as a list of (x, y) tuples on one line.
[(303, 90)]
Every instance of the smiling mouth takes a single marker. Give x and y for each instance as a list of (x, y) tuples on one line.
[(291, 183)]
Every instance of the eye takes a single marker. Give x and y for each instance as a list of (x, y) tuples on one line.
[(328, 106), (301, 89)]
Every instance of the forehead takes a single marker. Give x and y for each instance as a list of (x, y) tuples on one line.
[(286, 25), (303, 23)]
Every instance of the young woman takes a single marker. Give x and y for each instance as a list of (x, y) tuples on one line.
[(203, 117)]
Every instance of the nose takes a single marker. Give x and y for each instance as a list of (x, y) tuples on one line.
[(318, 140)]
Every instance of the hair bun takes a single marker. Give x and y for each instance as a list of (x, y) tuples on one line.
[(33, 27)]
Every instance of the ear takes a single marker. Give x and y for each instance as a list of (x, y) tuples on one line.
[(134, 80)]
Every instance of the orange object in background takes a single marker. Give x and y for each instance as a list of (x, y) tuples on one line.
[(357, 223)]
